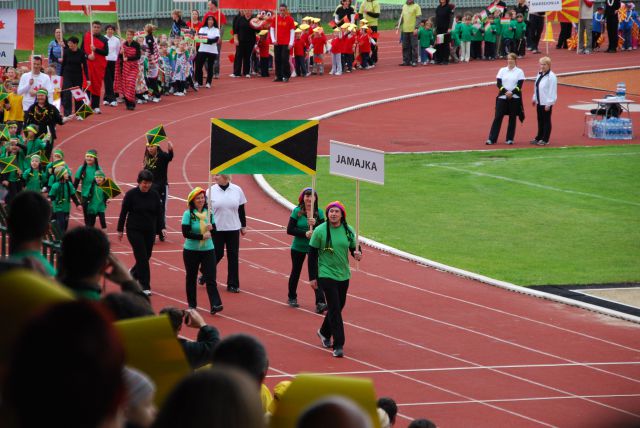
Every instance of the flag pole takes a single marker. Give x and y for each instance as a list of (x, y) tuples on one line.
[(313, 201), (90, 27), (357, 220)]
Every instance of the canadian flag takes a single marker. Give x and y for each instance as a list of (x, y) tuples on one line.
[(18, 26), (79, 95)]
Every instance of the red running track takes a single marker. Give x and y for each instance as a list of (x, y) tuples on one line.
[(448, 348)]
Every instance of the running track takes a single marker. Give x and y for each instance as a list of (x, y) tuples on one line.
[(459, 352)]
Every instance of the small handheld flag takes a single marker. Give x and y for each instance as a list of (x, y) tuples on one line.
[(156, 135), (84, 112), (4, 133), (110, 188), (7, 164)]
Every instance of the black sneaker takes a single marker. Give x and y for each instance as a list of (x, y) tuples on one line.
[(510, 142), (161, 237), (201, 280), (534, 141), (216, 309), (326, 343), (338, 353), (321, 307), (235, 290), (489, 142), (293, 303)]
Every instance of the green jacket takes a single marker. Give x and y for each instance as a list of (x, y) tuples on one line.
[(465, 32), (426, 36), (61, 195), (520, 29), (490, 34), (96, 200)]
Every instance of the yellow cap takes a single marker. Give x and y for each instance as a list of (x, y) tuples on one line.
[(304, 27), (195, 192), (298, 30), (316, 20), (364, 27), (263, 33), (364, 21), (336, 30), (345, 25), (318, 30)]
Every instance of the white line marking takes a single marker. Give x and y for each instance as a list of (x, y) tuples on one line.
[(512, 400), (180, 250)]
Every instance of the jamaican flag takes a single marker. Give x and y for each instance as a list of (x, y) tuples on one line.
[(263, 146), (8, 164), (110, 188), (85, 111), (4, 133), (156, 135)]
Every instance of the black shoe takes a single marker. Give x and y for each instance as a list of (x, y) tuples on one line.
[(161, 237), (293, 303), (326, 343), (233, 290), (489, 142), (201, 280), (321, 307), (338, 353), (285, 79), (534, 141), (510, 142), (277, 80), (216, 309)]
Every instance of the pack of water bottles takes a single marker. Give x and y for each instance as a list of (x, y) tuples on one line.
[(613, 128)]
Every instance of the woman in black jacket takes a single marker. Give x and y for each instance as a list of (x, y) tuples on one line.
[(444, 15), (74, 67), (45, 117)]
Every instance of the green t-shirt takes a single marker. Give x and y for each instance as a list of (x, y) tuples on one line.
[(508, 30), (477, 33), (520, 28), (33, 180), (87, 181), (464, 32), (98, 200), (21, 255), (33, 148), (490, 33), (333, 262), (299, 243), (426, 37), (194, 244), (60, 195)]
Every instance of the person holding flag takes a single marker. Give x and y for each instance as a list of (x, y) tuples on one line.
[(96, 47), (127, 70), (45, 116), (329, 250), (73, 69), (33, 81), (282, 33), (370, 11), (157, 162), (84, 179), (344, 13)]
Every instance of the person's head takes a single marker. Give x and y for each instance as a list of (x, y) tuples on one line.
[(99, 177), (96, 27), (247, 13), (79, 383), (176, 317), (213, 5), (110, 29), (35, 162), (91, 157), (512, 14), (58, 34), (149, 29), (298, 33), (334, 412), (519, 17), (37, 64), (129, 35), (176, 14), (217, 397), (57, 155), (545, 64), (282, 9), (139, 410), (195, 16), (41, 96), (182, 46), (127, 305), (409, 2), (50, 71), (389, 405), (336, 213), (84, 253), (197, 199), (222, 179), (10, 73), (62, 173), (13, 127), (600, 9), (211, 21), (28, 220), (443, 2), (512, 60), (145, 180), (308, 197), (467, 19), (31, 131), (245, 353), (422, 423), (72, 43), (496, 14)]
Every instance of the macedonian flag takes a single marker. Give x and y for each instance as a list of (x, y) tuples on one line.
[(570, 12), (263, 146)]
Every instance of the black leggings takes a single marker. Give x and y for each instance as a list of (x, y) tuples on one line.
[(230, 239), (544, 123), (336, 294), (297, 260), (142, 245), (90, 220), (201, 58), (205, 260)]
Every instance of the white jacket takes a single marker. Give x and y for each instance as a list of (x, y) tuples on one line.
[(547, 86)]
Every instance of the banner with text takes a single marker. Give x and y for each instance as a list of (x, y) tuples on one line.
[(544, 5), (356, 162), (6, 54)]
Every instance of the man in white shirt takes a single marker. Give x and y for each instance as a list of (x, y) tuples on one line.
[(112, 57), (32, 81)]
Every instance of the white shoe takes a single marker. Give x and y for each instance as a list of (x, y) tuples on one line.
[(97, 110), (179, 94), (338, 73), (114, 104), (105, 103), (155, 99), (294, 74), (195, 85), (79, 118), (331, 72), (233, 75), (139, 101), (248, 76), (146, 97), (208, 85), (147, 292)]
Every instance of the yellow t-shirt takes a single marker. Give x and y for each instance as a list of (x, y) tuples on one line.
[(410, 14), (15, 113), (370, 6)]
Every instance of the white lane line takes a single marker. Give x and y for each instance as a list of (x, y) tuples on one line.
[(180, 250), (537, 185), (490, 160), (513, 400)]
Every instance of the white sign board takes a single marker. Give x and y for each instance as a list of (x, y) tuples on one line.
[(356, 162), (6, 54), (89, 2), (545, 6)]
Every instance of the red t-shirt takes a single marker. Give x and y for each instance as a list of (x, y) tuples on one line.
[(365, 43), (285, 25), (222, 21), (318, 43), (336, 45), (263, 47), (305, 39), (347, 44), (298, 47)]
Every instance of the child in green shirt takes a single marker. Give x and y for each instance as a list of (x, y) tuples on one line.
[(477, 35), (34, 176), (520, 31), (426, 38), (490, 38), (455, 39), (83, 180), (33, 144), (12, 180), (61, 195), (465, 32), (508, 32), (96, 201)]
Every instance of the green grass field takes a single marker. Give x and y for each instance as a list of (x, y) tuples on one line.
[(531, 217)]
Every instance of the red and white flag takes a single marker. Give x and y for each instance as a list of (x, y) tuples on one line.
[(79, 95), (17, 26)]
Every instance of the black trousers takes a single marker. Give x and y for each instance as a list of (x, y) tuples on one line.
[(201, 58), (594, 39), (242, 61), (70, 82), (565, 34), (476, 49), (336, 295), (612, 32), (264, 67), (109, 76), (231, 240), (62, 220), (95, 101), (281, 58), (297, 260), (162, 191), (205, 261), (537, 27), (489, 50), (443, 51), (374, 48), (90, 220), (142, 245), (504, 107), (544, 123)]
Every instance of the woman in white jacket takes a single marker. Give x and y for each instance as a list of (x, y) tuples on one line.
[(545, 95)]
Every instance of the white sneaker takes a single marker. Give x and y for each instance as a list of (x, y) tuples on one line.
[(179, 94), (114, 104), (338, 73), (146, 97), (156, 100), (97, 110), (208, 85), (139, 101), (195, 85), (79, 118), (233, 75), (147, 292), (331, 72), (294, 74), (105, 103), (248, 76)]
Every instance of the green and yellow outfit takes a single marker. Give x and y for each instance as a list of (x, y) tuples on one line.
[(61, 195), (199, 253), (14, 178), (33, 147), (520, 32), (298, 227), (96, 204), (333, 274), (86, 175), (34, 180)]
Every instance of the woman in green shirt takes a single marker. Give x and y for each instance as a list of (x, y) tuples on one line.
[(331, 244), (198, 227), (301, 227), (84, 179)]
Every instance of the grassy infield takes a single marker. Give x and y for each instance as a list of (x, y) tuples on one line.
[(510, 230)]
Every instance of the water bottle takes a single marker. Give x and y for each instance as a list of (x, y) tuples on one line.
[(621, 90)]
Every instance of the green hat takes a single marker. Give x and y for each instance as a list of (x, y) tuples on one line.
[(60, 170), (31, 128), (59, 152), (35, 157), (92, 153), (99, 173), (42, 92), (12, 123)]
